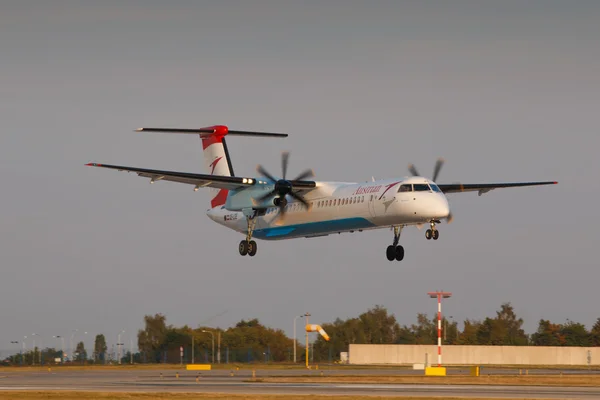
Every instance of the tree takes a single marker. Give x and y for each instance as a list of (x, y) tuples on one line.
[(469, 333), (379, 326), (575, 334), (595, 333), (426, 330), (100, 347), (547, 334), (514, 334), (151, 340), (81, 354)]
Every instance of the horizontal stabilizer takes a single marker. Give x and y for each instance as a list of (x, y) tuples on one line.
[(220, 130)]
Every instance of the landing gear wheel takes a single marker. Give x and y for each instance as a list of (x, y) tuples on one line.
[(391, 253), (399, 253), (436, 234), (428, 234), (243, 248), (252, 248)]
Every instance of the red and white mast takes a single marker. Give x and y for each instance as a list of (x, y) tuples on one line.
[(439, 296)]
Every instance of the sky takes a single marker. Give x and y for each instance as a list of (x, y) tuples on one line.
[(504, 91)]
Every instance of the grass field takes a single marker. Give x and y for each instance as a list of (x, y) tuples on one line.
[(282, 366), (516, 380), (186, 396)]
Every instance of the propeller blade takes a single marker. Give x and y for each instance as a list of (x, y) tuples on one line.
[(413, 170), (300, 199), (285, 158), (264, 173), (438, 167), (309, 173), (266, 196), (419, 226), (281, 216)]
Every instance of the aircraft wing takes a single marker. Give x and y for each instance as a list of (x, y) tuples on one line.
[(198, 180), (485, 187)]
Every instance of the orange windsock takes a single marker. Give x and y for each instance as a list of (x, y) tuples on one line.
[(317, 328)]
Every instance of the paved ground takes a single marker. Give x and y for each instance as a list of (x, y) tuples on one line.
[(220, 381)]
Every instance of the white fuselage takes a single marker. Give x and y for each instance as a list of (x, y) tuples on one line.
[(345, 207)]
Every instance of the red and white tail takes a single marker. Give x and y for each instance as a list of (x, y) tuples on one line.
[(216, 160), (216, 155)]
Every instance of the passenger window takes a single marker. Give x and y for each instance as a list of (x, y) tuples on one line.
[(405, 188), (421, 187)]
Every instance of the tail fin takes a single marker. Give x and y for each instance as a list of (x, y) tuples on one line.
[(217, 161), (216, 155)]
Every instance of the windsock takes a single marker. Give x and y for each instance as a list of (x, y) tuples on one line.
[(317, 328)]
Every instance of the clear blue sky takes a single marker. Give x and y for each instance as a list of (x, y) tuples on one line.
[(505, 91)]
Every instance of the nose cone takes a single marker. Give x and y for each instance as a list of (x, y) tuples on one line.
[(440, 207)]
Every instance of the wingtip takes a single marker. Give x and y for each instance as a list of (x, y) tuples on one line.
[(138, 129), (92, 164), (555, 183)]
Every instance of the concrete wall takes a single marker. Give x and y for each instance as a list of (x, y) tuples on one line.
[(473, 355)]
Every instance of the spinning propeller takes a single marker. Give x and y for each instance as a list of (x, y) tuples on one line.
[(283, 187), (436, 171)]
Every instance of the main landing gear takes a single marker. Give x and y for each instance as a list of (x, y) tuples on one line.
[(432, 233), (248, 246), (395, 251)]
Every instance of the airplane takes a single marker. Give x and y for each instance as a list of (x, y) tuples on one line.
[(276, 208)]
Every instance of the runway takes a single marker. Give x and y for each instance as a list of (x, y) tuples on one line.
[(221, 382)]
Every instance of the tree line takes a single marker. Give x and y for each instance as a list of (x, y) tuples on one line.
[(251, 341)]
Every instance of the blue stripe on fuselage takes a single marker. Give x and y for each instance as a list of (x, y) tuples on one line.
[(312, 228)]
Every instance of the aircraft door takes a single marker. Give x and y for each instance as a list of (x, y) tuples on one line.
[(371, 203)]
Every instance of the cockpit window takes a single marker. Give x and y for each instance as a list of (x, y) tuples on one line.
[(421, 187), (435, 188), (405, 188)]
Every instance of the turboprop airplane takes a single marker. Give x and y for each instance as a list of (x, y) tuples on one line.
[(270, 208)]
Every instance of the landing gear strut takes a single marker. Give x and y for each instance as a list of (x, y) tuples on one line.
[(248, 246), (432, 233), (395, 251)]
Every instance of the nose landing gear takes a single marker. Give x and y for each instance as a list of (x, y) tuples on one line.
[(395, 251), (249, 246), (432, 233)]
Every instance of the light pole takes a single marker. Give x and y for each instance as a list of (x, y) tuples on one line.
[(213, 343), (118, 346), (62, 349), (306, 315), (23, 351), (33, 356), (73, 332), (439, 295), (295, 318), (16, 342)]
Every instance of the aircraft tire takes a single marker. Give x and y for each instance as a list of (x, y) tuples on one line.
[(252, 248), (243, 248), (399, 253), (428, 234), (391, 253), (436, 234)]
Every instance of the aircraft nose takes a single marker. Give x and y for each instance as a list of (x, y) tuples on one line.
[(441, 207)]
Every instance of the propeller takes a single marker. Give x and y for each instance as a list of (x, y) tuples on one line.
[(436, 172), (283, 187)]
